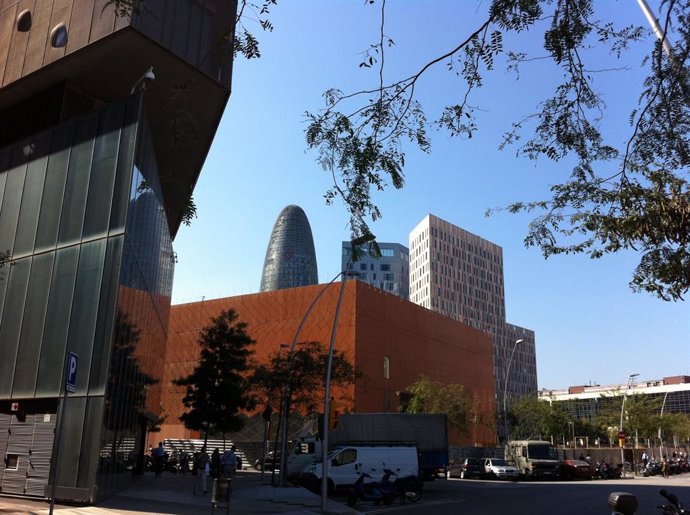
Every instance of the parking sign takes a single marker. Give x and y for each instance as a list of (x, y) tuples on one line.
[(71, 379)]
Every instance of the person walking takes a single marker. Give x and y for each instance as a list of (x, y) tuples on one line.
[(215, 463), (229, 463), (202, 466), (664, 466), (158, 459)]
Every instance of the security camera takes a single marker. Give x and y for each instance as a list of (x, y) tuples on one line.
[(140, 84)]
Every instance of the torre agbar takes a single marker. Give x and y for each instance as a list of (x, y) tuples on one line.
[(105, 120)]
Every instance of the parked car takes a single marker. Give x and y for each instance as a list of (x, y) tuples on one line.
[(576, 469), (469, 468), (497, 468), (271, 462)]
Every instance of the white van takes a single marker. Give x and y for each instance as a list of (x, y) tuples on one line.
[(345, 464)]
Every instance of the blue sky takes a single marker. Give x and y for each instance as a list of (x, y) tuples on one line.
[(590, 327)]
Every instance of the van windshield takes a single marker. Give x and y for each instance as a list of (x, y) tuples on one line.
[(541, 452)]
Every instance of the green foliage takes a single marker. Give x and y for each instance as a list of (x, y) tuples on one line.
[(307, 374), (125, 8), (641, 415), (531, 418), (454, 400), (643, 205), (217, 390)]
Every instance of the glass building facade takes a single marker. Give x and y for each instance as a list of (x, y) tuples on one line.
[(91, 273), (290, 257)]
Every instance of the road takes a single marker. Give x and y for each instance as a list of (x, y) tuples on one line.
[(471, 497)]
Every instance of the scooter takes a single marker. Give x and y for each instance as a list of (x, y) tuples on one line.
[(369, 492), (623, 503), (675, 508), (407, 488)]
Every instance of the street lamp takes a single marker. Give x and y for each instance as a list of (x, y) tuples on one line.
[(505, 390), (631, 381)]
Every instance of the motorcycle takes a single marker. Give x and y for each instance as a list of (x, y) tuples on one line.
[(623, 503), (369, 492)]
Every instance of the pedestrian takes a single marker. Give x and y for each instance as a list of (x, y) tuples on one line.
[(184, 462), (229, 462), (215, 463), (664, 466), (158, 458), (644, 458), (202, 466)]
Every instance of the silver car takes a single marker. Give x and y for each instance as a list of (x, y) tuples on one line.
[(497, 468)]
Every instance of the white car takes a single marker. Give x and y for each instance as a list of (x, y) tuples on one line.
[(498, 469)]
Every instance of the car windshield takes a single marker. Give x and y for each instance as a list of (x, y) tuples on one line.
[(542, 452), (499, 463)]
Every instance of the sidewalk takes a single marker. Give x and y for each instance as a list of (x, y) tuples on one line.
[(172, 494)]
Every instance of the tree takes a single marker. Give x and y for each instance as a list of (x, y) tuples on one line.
[(307, 375), (427, 396), (630, 195), (531, 418), (217, 390)]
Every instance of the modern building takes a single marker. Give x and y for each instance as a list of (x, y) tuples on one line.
[(290, 257), (106, 117), (390, 272), (392, 343), (460, 275), (583, 401)]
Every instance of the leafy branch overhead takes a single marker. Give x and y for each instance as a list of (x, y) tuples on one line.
[(633, 196)]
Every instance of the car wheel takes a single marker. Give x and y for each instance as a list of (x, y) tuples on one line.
[(412, 495), (258, 466)]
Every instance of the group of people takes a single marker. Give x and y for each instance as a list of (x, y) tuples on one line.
[(677, 463), (219, 465)]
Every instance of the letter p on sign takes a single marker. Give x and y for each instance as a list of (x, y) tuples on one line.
[(71, 379)]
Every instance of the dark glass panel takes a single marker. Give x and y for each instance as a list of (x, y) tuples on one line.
[(76, 187), (125, 162), (70, 440), (54, 189), (33, 191), (51, 363), (32, 329), (105, 158), (11, 322), (4, 166), (90, 448), (85, 308), (106, 316), (9, 213)]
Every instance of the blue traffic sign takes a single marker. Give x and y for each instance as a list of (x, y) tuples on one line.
[(71, 379)]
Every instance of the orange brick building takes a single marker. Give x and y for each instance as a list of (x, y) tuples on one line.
[(374, 327)]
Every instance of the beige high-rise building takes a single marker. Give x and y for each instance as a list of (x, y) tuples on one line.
[(460, 275)]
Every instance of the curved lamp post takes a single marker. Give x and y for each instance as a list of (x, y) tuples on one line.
[(505, 390)]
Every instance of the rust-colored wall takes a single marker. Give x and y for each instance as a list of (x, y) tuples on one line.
[(372, 324)]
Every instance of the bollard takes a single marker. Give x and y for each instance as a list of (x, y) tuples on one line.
[(222, 488)]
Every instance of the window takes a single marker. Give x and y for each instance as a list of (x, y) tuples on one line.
[(12, 462), (386, 367), (388, 277), (345, 457), (385, 267), (58, 36), (387, 252), (363, 267), (24, 21)]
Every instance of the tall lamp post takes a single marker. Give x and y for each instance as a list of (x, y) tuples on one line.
[(505, 390), (631, 379)]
